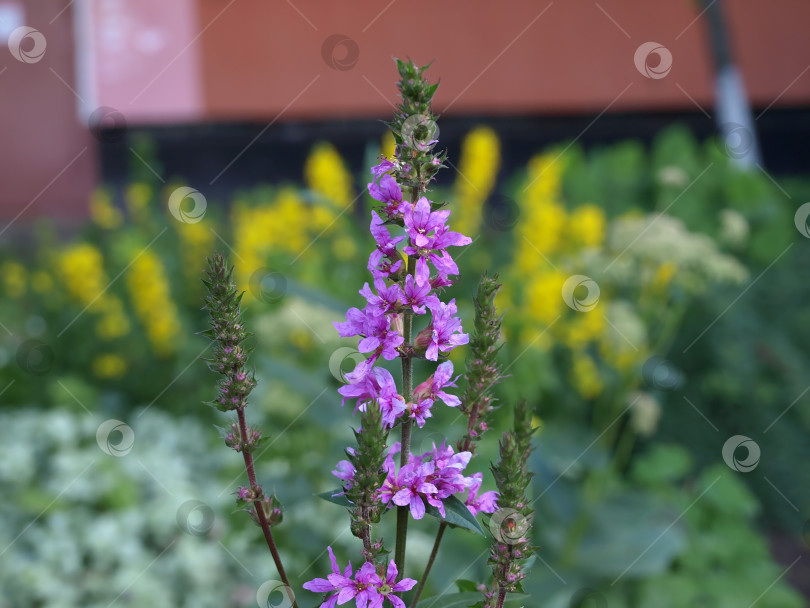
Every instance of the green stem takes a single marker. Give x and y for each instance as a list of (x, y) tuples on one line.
[(405, 441), (431, 559)]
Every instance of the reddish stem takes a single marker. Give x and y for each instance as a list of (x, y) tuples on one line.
[(259, 508)]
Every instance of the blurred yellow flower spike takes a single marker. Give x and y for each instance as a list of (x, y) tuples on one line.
[(14, 279), (109, 367), (102, 210), (477, 171), (586, 226), (81, 270), (137, 197), (389, 144), (151, 298), (326, 174)]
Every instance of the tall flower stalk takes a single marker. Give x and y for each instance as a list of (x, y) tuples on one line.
[(228, 333)]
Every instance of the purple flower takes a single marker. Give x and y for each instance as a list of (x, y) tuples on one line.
[(444, 332), (390, 586), (387, 297), (417, 288), (376, 385), (420, 411), (433, 387), (386, 191), (385, 259), (486, 502), (413, 484), (344, 470), (385, 166), (420, 222), (379, 338), (327, 585), (363, 589)]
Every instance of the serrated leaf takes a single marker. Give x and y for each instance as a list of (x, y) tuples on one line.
[(338, 500), (456, 514)]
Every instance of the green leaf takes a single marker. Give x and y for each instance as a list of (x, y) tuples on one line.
[(456, 514), (466, 585), (338, 500)]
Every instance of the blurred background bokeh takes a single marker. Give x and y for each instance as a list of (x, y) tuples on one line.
[(638, 175)]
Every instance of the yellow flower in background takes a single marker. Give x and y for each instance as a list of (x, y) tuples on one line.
[(585, 376), (344, 247), (81, 267), (137, 197), (109, 367), (102, 210), (326, 173), (286, 225), (113, 321), (14, 278), (544, 302), (389, 145), (477, 172), (196, 244), (541, 228), (663, 276), (583, 328), (586, 226), (151, 298)]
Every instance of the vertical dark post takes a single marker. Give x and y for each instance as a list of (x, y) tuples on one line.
[(732, 110)]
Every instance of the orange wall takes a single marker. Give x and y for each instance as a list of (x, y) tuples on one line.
[(264, 58)]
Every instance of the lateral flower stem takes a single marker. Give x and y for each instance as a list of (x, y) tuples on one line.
[(260, 514)]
